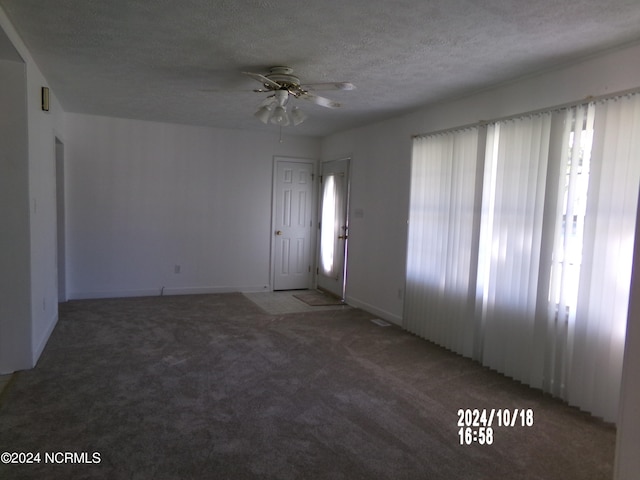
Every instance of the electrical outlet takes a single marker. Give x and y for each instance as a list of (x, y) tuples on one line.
[(176, 268)]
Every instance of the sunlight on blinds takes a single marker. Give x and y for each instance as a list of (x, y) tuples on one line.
[(603, 295), (573, 186), (520, 246), (510, 243), (441, 239)]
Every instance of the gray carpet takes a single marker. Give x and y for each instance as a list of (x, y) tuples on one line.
[(211, 387)]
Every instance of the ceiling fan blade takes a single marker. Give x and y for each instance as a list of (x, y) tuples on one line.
[(323, 102), (225, 90), (262, 79), (314, 87)]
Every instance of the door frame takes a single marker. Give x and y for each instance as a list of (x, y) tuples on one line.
[(61, 250), (314, 219), (349, 160)]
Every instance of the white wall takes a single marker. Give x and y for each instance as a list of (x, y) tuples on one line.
[(378, 204), (15, 321), (143, 197), (31, 312)]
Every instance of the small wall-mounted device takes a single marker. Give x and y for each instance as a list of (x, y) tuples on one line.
[(45, 99)]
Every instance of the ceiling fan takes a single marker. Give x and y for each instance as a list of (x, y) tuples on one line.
[(284, 85)]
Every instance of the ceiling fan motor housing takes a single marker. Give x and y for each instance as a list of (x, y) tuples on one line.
[(283, 76)]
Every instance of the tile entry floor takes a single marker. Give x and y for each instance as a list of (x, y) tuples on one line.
[(281, 302)]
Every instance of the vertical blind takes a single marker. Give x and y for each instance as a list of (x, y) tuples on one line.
[(520, 246), (510, 242), (603, 292), (568, 236), (441, 238)]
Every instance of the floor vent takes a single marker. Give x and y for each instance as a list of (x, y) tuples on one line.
[(380, 323)]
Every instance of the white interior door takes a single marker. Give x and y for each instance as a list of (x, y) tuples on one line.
[(334, 227), (292, 224)]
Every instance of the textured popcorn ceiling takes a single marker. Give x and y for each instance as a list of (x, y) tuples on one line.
[(180, 60)]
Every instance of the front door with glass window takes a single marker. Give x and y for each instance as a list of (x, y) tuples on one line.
[(334, 198)]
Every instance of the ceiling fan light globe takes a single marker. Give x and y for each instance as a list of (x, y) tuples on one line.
[(280, 116), (263, 114), (298, 116)]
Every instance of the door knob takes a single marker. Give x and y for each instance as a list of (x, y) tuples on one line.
[(278, 232), (342, 237)]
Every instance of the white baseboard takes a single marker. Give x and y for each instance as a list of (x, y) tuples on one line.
[(205, 290), (113, 294), (383, 314), (166, 291), (39, 348)]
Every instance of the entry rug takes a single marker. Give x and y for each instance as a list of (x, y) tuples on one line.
[(318, 299)]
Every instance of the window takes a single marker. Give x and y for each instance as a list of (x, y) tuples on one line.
[(520, 246)]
